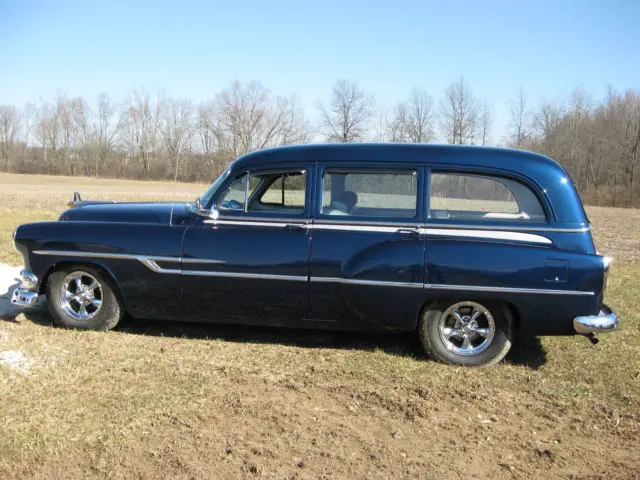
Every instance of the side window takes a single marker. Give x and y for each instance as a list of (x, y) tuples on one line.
[(370, 194), (282, 192), (279, 192), (460, 196)]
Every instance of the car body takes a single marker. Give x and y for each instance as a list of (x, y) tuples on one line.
[(346, 237)]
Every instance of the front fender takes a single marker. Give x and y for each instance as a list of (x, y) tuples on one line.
[(123, 250)]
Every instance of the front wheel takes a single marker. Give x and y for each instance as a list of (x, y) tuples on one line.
[(466, 333), (83, 297)]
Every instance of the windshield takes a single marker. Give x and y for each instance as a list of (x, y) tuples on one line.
[(205, 198)]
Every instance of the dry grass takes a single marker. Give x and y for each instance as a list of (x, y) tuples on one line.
[(164, 400)]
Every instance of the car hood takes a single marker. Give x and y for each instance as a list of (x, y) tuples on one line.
[(147, 212)]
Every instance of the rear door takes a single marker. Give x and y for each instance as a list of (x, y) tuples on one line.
[(366, 262)]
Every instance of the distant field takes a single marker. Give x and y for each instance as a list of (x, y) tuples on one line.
[(167, 400)]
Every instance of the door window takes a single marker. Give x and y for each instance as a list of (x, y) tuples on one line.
[(272, 192), (282, 192), (370, 194), (460, 196)]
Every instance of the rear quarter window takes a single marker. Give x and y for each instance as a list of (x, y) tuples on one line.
[(462, 196)]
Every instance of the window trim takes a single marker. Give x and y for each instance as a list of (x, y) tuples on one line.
[(305, 169), (400, 168), (533, 187), (288, 174)]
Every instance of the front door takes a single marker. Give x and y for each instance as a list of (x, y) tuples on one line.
[(250, 265)]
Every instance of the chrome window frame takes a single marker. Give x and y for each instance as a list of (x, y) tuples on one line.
[(400, 168)]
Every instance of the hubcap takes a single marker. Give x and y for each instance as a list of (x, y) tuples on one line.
[(467, 328), (81, 295)]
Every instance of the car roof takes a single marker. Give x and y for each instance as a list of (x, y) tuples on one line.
[(471, 155)]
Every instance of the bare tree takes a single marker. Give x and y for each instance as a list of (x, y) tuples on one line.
[(177, 131), (486, 121), (397, 125), (347, 116), (419, 117), (47, 134), (9, 130), (212, 137), (546, 122), (142, 127), (251, 118), (518, 120), (459, 113), (107, 125), (413, 118)]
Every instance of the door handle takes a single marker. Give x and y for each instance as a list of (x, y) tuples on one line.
[(296, 227), (407, 231)]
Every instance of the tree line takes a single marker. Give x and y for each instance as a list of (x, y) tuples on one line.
[(150, 135)]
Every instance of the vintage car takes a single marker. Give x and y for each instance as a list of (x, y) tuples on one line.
[(463, 245)]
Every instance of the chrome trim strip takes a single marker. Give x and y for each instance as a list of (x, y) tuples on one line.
[(500, 235), (380, 227), (356, 281), (354, 228), (148, 261), (70, 253), (252, 224), (151, 263), (471, 288), (523, 228), (258, 276), (204, 261), (478, 288)]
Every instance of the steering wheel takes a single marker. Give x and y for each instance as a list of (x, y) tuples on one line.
[(231, 205)]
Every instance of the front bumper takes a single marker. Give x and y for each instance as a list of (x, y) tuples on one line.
[(605, 321), (26, 295)]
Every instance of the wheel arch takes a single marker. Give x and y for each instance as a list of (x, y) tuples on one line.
[(89, 263), (508, 307)]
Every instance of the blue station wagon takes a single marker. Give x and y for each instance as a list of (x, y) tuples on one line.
[(463, 245)]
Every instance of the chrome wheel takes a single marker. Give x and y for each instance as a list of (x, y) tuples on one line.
[(467, 328), (81, 295)]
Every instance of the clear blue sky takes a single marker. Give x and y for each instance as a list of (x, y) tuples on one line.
[(195, 48)]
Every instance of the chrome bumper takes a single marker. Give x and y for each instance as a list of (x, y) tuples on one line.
[(26, 294), (605, 321)]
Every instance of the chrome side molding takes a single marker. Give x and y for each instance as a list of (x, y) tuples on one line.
[(151, 262)]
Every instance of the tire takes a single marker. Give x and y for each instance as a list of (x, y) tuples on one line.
[(89, 305), (445, 324)]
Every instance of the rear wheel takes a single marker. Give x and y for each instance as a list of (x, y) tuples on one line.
[(466, 332), (83, 297)]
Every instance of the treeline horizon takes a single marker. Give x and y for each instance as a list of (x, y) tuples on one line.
[(150, 135)]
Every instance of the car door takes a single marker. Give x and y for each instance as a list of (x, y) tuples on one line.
[(367, 254), (250, 264)]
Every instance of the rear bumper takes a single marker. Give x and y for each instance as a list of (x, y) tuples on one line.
[(605, 321), (26, 295)]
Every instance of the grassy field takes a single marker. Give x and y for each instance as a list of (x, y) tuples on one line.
[(166, 400)]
